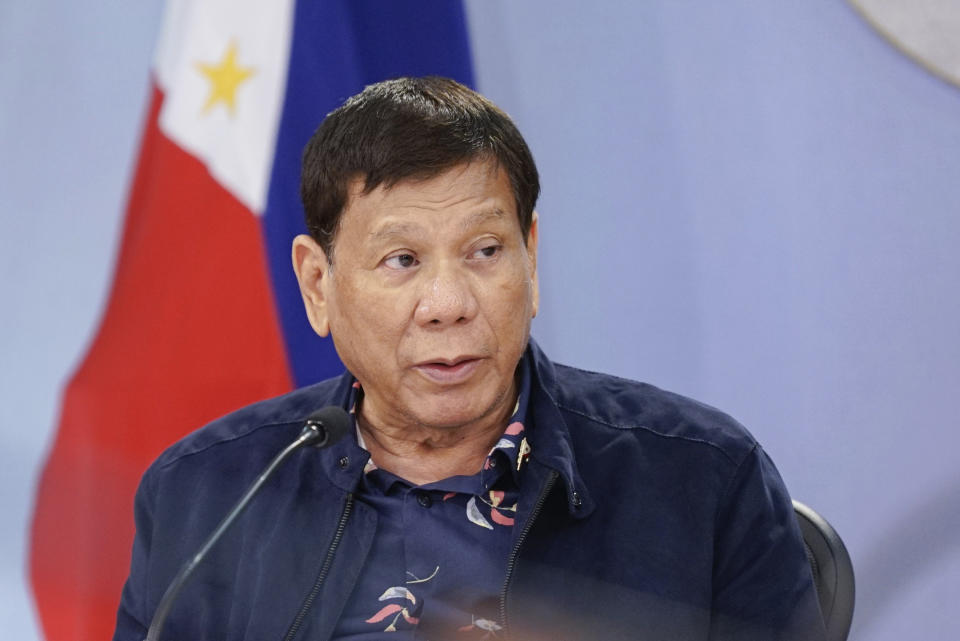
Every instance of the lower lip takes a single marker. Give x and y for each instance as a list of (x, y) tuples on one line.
[(449, 374)]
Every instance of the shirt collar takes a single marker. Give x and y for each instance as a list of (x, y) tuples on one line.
[(513, 448)]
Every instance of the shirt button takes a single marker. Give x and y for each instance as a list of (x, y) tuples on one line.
[(576, 500), (493, 461), (343, 462), (424, 500)]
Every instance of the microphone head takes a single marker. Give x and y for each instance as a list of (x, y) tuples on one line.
[(327, 426)]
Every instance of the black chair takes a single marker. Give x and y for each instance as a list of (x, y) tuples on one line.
[(832, 571)]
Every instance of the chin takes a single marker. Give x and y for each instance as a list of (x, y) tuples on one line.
[(454, 413), (447, 420)]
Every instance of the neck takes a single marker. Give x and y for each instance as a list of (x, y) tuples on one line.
[(421, 454)]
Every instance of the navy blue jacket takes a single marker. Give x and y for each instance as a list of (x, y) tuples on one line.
[(649, 516)]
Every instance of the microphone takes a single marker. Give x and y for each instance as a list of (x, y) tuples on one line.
[(322, 428)]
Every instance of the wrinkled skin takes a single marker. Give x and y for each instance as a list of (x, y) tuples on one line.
[(429, 299)]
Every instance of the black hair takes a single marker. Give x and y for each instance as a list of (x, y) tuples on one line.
[(409, 128)]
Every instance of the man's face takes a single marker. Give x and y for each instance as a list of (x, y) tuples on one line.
[(429, 298)]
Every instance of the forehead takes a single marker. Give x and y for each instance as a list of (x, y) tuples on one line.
[(472, 193)]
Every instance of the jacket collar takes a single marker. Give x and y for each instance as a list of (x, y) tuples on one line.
[(343, 462), (550, 441)]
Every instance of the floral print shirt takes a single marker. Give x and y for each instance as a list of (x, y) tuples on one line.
[(438, 560)]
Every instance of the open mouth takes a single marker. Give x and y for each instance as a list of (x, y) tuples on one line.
[(449, 372)]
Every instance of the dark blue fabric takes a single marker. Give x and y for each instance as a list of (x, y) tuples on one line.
[(439, 556), (445, 572), (340, 46), (651, 516)]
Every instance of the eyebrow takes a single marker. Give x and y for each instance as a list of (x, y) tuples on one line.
[(393, 230), (482, 216), (403, 229)]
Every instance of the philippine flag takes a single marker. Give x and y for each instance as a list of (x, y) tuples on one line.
[(204, 314)]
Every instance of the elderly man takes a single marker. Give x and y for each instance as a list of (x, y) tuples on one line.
[(483, 491)]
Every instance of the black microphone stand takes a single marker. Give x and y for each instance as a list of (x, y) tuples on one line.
[(322, 428)]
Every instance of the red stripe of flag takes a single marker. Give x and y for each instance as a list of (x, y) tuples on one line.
[(190, 332)]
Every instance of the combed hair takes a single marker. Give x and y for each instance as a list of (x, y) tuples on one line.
[(408, 128)]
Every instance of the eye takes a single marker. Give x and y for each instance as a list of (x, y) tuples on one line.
[(400, 261), (487, 251)]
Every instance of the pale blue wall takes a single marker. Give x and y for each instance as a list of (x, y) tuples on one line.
[(73, 88)]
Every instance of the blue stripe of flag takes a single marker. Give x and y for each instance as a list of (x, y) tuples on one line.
[(340, 46)]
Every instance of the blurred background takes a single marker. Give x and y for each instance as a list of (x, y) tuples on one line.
[(755, 204)]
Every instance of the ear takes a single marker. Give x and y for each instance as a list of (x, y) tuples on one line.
[(532, 237), (313, 271)]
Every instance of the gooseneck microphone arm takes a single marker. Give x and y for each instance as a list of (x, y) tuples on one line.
[(324, 427)]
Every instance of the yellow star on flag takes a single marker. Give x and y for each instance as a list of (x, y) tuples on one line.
[(225, 77)]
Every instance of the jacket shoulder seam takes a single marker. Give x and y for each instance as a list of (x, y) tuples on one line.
[(650, 430), (595, 373), (219, 441)]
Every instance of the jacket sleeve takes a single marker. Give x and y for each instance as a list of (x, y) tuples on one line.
[(763, 586), (133, 617)]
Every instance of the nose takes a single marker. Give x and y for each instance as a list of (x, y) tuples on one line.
[(446, 299)]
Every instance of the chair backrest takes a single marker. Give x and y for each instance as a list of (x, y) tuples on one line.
[(832, 571)]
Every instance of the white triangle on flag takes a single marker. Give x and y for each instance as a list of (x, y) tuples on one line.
[(222, 67)]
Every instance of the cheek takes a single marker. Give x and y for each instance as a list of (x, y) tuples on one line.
[(519, 289), (374, 317), (511, 304)]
